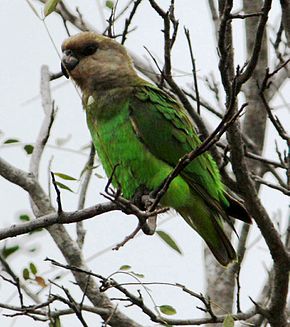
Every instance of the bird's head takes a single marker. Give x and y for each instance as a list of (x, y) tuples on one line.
[(95, 62)]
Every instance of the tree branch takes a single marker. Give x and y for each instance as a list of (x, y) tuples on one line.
[(138, 301), (55, 218)]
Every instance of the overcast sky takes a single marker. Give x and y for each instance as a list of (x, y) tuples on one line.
[(25, 46)]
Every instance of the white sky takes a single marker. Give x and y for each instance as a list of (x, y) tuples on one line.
[(25, 47)]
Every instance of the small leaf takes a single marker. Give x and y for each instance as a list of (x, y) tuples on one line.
[(137, 274), (24, 217), (169, 241), (110, 4), (28, 148), (50, 6), (167, 310), (40, 281), (33, 268), (7, 251), (125, 267), (64, 187), (99, 176), (8, 141), (229, 321), (65, 176), (25, 273)]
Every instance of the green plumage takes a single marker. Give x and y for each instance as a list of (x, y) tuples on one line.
[(145, 132)]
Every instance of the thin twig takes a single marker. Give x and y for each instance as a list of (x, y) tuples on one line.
[(271, 185), (111, 283), (129, 20), (58, 195), (187, 34)]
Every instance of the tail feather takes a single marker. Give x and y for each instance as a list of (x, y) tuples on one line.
[(209, 227), (237, 210), (224, 253), (206, 215)]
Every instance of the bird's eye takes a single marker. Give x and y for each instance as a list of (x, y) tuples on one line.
[(89, 50)]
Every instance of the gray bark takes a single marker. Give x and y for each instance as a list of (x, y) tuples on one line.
[(254, 125), (285, 4)]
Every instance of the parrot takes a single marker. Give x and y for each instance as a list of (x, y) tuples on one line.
[(140, 132)]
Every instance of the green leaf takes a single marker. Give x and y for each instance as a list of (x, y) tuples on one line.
[(99, 176), (28, 148), (7, 251), (125, 267), (167, 310), (24, 217), (8, 141), (137, 274), (65, 176), (169, 241), (60, 185), (110, 4), (229, 321), (33, 268), (25, 273), (50, 6)]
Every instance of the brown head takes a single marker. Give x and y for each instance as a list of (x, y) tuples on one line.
[(96, 62)]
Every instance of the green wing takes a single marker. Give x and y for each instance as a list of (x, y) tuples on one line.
[(168, 133)]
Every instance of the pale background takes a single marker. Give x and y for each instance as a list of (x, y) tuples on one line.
[(25, 46)]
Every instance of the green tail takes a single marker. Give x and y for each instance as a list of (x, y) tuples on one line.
[(209, 227)]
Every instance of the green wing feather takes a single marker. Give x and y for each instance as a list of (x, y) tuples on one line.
[(166, 130)]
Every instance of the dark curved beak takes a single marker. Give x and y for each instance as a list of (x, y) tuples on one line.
[(68, 63)]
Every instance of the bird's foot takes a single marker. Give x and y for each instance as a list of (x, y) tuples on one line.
[(150, 224)]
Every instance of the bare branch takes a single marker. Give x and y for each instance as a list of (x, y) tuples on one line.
[(187, 34), (25, 289), (58, 197), (215, 17), (136, 300), (271, 185), (55, 218), (257, 45), (244, 16), (49, 112), (88, 170), (129, 20), (276, 310)]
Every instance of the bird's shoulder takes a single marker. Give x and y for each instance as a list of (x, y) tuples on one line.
[(147, 100)]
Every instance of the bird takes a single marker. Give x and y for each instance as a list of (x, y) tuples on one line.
[(140, 132)]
